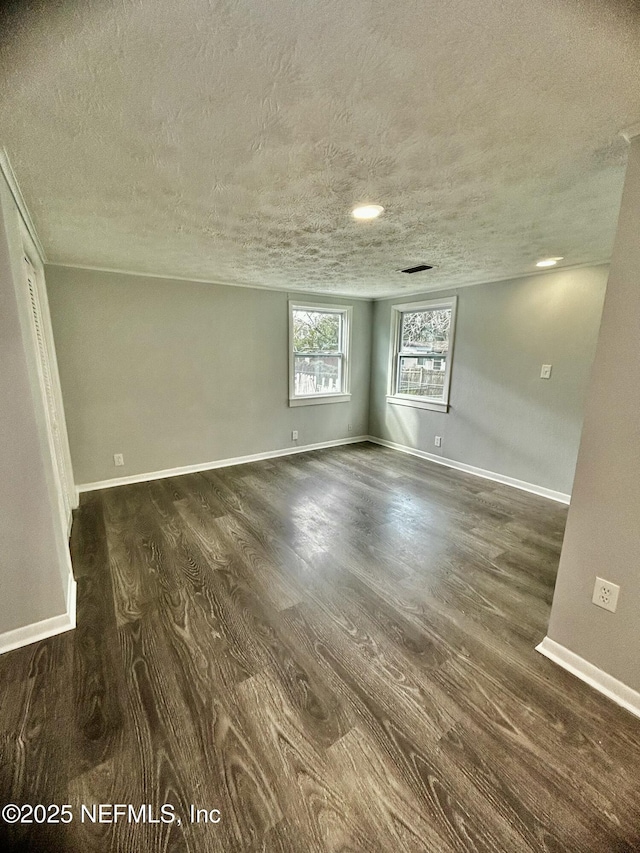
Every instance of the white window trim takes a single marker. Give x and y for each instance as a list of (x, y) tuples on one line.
[(342, 396), (407, 399)]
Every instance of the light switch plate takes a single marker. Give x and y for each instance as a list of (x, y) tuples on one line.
[(545, 373)]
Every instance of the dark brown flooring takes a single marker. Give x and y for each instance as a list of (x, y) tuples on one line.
[(336, 650)]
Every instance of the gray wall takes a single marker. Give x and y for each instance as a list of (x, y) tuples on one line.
[(503, 417), (32, 569), (174, 373), (603, 530)]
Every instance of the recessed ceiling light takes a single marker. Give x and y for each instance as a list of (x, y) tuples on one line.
[(549, 262), (367, 211)]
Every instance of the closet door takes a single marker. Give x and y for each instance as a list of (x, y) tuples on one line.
[(51, 393)]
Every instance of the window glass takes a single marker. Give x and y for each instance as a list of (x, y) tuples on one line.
[(316, 331), (426, 331), (421, 354), (319, 356)]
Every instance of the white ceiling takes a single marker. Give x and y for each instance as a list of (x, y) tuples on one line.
[(228, 140)]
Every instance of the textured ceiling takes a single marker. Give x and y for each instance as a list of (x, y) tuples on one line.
[(228, 140)]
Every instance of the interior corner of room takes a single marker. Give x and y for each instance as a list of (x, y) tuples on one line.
[(158, 370)]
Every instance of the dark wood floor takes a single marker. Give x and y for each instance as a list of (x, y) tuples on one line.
[(336, 650)]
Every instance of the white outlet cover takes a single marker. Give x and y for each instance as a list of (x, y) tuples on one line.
[(605, 594), (545, 372)]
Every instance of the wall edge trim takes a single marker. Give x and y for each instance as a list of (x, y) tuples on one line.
[(71, 599), (614, 689), (218, 463), (27, 634), (12, 182), (442, 287), (542, 491), (216, 282), (454, 287)]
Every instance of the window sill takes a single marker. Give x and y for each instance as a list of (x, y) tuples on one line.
[(414, 403), (317, 399)]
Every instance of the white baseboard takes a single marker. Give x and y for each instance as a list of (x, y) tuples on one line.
[(560, 497), (219, 463), (287, 451), (601, 681), (28, 634)]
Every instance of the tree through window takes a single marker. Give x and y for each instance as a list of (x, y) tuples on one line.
[(319, 352), (423, 341)]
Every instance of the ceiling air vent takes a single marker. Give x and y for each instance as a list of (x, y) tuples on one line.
[(419, 268)]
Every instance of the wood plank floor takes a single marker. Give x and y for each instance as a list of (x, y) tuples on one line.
[(336, 650)]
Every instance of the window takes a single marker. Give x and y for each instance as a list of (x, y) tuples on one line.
[(421, 351), (319, 354)]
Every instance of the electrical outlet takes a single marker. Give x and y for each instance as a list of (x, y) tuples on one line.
[(605, 594), (294, 435), (545, 372), (350, 427), (118, 459), (438, 441)]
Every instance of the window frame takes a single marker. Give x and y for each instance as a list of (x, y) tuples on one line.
[(395, 353), (344, 395)]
